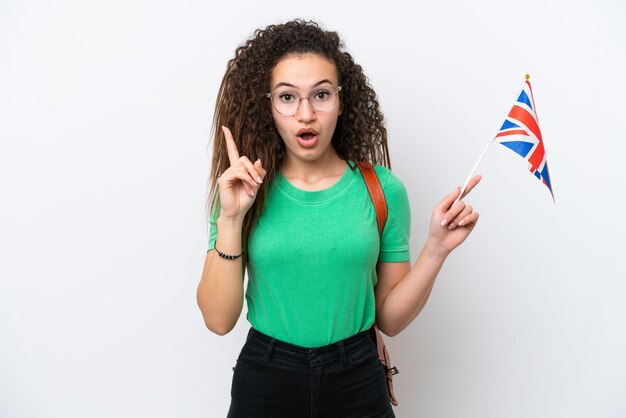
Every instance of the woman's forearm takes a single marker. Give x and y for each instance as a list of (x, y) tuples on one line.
[(406, 300), (220, 291)]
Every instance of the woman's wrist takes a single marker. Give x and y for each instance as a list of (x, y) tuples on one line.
[(230, 222), (229, 236), (433, 249)]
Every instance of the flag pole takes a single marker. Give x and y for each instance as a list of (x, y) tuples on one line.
[(493, 137), (473, 170)]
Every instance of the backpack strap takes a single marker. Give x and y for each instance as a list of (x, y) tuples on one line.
[(375, 190)]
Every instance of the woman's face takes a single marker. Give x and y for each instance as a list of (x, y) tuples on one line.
[(307, 133)]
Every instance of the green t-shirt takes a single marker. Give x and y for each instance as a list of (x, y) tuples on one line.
[(312, 258)]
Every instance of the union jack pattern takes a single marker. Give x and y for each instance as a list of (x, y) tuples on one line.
[(520, 133)]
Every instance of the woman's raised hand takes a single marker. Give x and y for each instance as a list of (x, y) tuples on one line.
[(238, 185), (451, 223)]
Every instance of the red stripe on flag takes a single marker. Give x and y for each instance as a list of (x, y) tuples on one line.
[(527, 119), (513, 132), (532, 99), (537, 156)]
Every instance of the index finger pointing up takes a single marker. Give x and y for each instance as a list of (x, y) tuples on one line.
[(231, 147)]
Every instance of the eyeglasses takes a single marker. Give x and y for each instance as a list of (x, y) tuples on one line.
[(286, 102)]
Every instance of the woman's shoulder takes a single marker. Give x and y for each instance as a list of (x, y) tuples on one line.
[(388, 179), (395, 194)]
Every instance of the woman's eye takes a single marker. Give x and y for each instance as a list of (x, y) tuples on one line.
[(322, 95), (287, 97)]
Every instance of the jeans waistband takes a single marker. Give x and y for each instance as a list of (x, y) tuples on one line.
[(277, 350)]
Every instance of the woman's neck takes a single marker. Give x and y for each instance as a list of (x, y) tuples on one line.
[(314, 175)]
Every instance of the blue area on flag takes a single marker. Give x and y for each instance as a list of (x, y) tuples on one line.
[(508, 125), (546, 176), (520, 147), (523, 98)]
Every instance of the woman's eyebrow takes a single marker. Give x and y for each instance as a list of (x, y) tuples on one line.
[(285, 84)]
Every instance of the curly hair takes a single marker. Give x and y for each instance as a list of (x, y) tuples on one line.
[(360, 134)]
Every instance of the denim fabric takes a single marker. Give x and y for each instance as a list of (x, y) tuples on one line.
[(277, 379)]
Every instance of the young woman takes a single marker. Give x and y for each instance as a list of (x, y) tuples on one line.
[(294, 115)]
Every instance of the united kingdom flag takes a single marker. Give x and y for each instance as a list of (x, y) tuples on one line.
[(520, 133)]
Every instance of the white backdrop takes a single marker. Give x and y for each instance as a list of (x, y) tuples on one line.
[(105, 111)]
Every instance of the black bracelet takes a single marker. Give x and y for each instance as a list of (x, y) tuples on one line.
[(226, 256)]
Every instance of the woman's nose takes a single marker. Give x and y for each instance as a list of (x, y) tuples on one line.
[(305, 111)]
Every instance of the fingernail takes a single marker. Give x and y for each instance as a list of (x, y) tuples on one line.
[(461, 223), (451, 227), (444, 222), (259, 179)]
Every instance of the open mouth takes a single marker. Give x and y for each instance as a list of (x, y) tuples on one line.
[(307, 136)]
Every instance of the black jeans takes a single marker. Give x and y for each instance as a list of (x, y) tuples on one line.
[(277, 379)]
